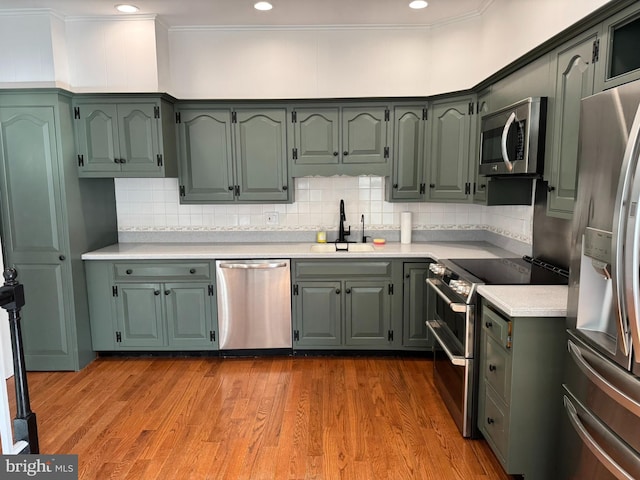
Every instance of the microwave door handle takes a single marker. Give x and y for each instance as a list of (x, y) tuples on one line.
[(505, 135), (631, 235)]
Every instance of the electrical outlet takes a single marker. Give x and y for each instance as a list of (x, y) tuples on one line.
[(271, 218)]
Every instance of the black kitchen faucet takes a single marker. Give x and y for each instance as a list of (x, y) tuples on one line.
[(342, 233)]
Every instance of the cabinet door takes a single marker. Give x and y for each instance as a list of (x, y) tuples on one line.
[(33, 237), (574, 81), (415, 299), (408, 154), (205, 155), (316, 134), (449, 153), (189, 313), (138, 134), (367, 313), (318, 307), (481, 183), (261, 161), (364, 135), (139, 311), (97, 137)]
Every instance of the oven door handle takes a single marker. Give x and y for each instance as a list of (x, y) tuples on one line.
[(455, 307), (458, 360)]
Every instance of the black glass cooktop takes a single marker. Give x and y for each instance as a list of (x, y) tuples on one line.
[(513, 271)]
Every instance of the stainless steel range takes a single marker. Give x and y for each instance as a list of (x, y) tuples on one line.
[(453, 302)]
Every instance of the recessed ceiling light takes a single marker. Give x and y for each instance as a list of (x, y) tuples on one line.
[(264, 6), (418, 4), (127, 8)]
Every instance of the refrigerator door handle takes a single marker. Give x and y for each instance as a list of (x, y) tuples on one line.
[(609, 463), (620, 397), (631, 235)]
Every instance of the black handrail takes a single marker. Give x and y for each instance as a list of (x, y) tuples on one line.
[(12, 300)]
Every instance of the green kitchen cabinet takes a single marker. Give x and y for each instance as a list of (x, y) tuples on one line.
[(575, 73), (407, 181), (415, 306), (479, 189), (345, 304), (125, 136), (341, 140), (617, 49), (152, 305), (519, 405), (49, 218), (449, 146), (233, 155)]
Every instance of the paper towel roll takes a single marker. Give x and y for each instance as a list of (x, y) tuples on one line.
[(405, 227)]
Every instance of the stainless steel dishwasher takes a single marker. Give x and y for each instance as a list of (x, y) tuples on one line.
[(254, 304)]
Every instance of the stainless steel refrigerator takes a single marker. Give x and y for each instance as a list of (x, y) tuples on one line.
[(601, 421)]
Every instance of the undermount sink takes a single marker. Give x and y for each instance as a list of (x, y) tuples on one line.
[(341, 247)]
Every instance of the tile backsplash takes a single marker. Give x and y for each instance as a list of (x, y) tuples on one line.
[(153, 205)]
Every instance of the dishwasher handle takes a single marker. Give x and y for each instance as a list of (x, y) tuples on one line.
[(252, 266)]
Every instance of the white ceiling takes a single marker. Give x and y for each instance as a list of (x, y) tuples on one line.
[(285, 12)]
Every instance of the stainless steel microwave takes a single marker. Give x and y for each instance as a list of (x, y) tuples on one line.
[(512, 139)]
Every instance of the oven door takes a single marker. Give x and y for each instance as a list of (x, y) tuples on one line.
[(455, 376)]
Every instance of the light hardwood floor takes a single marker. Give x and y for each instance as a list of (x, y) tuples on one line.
[(255, 418)]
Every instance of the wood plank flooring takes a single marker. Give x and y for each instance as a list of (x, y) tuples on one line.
[(255, 418)]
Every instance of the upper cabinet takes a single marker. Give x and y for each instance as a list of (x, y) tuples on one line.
[(233, 155), (575, 73), (617, 49), (124, 136), (341, 140), (449, 145)]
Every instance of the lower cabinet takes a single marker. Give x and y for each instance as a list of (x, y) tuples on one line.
[(519, 404), (352, 304), (415, 306), (152, 305)]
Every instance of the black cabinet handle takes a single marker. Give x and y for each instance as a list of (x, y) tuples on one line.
[(338, 291), (488, 324), (62, 258), (285, 188), (345, 153), (482, 186), (116, 160), (129, 271), (348, 290), (123, 160), (432, 185), (492, 368), (192, 271), (231, 188), (407, 276), (550, 189), (490, 420), (156, 292), (167, 292), (335, 154), (395, 185)]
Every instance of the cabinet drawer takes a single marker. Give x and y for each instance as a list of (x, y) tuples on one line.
[(342, 269), (495, 425), (136, 272), (496, 326), (497, 368)]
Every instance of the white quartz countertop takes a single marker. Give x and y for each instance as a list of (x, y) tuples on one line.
[(528, 300), (204, 251)]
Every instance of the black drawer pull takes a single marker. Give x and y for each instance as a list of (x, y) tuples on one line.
[(129, 271), (62, 258), (492, 368), (488, 324), (167, 292), (338, 291), (348, 290), (490, 420), (192, 271), (156, 292)]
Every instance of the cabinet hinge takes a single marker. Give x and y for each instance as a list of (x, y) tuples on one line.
[(390, 335), (114, 291), (178, 119), (294, 117), (470, 108), (210, 290), (423, 188), (236, 190), (81, 160), (596, 51), (118, 337), (182, 194), (76, 113), (467, 188), (212, 336), (425, 114), (296, 335), (156, 112), (386, 115), (234, 117), (159, 158), (391, 289), (295, 289), (386, 152), (294, 153)]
